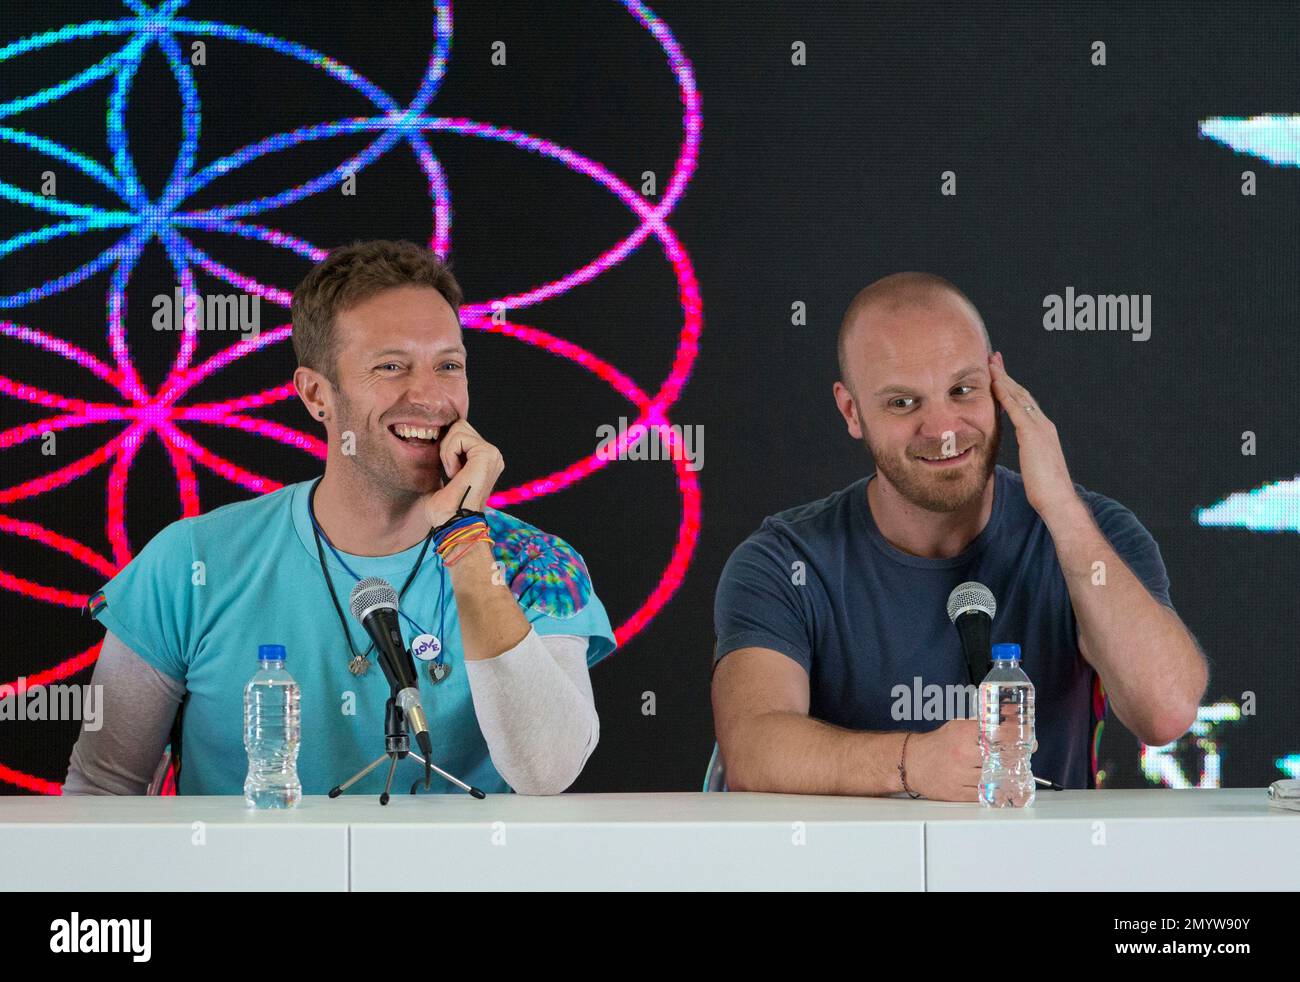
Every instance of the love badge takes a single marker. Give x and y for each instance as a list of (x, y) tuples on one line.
[(428, 649)]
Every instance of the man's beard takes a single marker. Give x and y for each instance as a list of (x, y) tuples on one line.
[(376, 463), (941, 490)]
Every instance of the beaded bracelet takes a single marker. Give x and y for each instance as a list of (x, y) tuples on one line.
[(902, 774)]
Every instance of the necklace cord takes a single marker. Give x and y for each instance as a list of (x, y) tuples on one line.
[(318, 533)]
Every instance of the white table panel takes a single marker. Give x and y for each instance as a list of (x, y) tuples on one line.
[(1159, 839), (641, 842), (171, 844)]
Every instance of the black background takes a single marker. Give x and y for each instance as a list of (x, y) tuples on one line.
[(813, 181)]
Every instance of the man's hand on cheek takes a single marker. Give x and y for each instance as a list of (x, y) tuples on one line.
[(472, 465), (1042, 462)]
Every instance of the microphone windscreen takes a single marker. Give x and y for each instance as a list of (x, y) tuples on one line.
[(370, 593), (971, 596)]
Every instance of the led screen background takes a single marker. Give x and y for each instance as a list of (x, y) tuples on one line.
[(650, 192)]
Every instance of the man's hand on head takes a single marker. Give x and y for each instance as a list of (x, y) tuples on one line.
[(1042, 462), (470, 464)]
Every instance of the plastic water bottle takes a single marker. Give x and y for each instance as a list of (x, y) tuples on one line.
[(272, 729), (1006, 714)]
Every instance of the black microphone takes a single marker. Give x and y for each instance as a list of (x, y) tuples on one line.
[(374, 604), (971, 608)]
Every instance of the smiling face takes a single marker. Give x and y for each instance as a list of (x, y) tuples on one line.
[(401, 382), (919, 397)]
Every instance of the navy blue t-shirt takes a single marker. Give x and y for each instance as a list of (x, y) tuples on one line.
[(869, 623)]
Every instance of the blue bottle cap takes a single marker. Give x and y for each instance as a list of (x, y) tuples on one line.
[(270, 652), (1006, 652)]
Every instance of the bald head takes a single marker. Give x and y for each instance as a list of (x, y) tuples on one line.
[(901, 292)]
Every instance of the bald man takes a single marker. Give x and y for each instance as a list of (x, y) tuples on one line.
[(832, 632)]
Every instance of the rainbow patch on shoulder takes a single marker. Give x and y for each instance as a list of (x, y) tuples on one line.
[(96, 603)]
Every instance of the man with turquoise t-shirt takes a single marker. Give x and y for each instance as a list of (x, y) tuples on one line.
[(502, 616)]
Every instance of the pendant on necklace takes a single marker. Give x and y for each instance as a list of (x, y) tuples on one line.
[(427, 648), (359, 665)]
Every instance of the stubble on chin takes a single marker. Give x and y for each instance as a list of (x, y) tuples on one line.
[(374, 469), (941, 491)]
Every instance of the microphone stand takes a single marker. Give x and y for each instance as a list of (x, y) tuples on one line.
[(397, 745)]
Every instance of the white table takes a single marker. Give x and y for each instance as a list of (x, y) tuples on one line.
[(645, 842), (1114, 840), (169, 844), (1158, 839)]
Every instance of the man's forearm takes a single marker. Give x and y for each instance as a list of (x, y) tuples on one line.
[(490, 619), (537, 714), (138, 707), (791, 753), (1149, 662), (536, 711)]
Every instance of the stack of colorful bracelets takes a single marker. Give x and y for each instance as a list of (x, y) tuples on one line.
[(456, 537)]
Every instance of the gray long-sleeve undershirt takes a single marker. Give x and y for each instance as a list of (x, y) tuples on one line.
[(534, 705)]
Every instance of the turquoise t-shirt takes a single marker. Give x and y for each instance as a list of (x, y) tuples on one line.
[(206, 591)]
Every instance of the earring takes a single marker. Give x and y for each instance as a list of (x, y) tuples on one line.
[(321, 414)]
